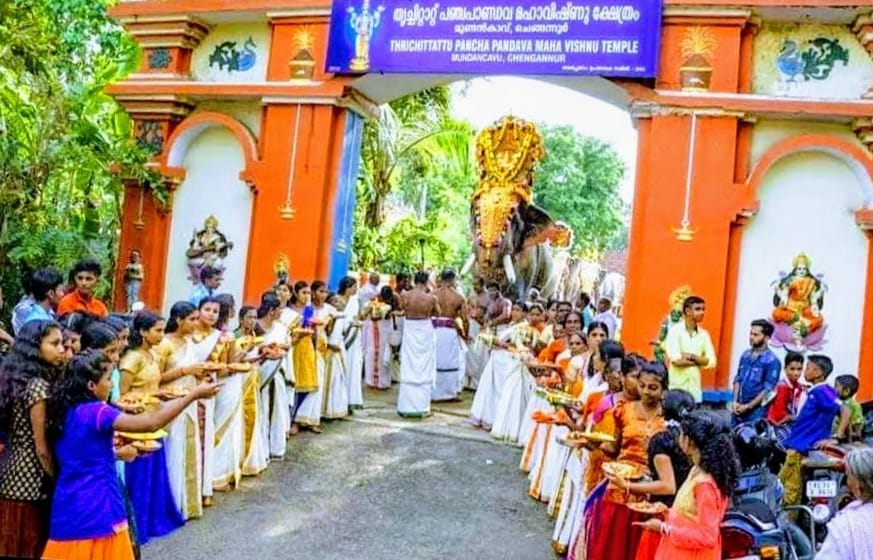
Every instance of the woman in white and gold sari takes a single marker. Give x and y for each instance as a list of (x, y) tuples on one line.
[(228, 404), (180, 371), (255, 449), (336, 388), (309, 376), (309, 413), (276, 371), (351, 308), (213, 347), (502, 363)]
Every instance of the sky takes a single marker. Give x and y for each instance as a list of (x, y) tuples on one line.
[(484, 100)]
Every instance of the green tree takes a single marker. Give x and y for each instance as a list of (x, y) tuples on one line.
[(414, 147), (65, 146), (578, 183), (415, 130)]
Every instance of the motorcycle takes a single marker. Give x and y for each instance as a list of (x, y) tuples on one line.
[(756, 526), (825, 488)]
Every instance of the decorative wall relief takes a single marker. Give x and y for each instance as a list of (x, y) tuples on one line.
[(229, 56), (160, 59), (813, 60), (302, 64), (150, 136), (234, 52), (798, 299), (697, 49), (820, 61)]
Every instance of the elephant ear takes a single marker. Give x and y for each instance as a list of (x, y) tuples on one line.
[(540, 228)]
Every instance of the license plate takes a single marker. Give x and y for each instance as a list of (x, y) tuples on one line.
[(821, 489)]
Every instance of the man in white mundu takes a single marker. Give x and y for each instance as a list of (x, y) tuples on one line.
[(418, 350), (450, 357)]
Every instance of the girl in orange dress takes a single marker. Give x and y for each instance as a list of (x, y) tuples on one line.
[(598, 415), (668, 464), (611, 533), (692, 530)]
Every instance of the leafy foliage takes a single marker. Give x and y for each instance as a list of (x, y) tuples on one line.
[(578, 183), (412, 134), (418, 174), (65, 145), (415, 147)]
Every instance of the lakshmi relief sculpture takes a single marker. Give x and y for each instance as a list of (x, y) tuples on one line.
[(208, 247), (797, 315)]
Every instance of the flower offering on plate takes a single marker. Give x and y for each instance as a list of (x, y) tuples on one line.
[(146, 446), (596, 437), (149, 436), (136, 402), (622, 470), (656, 508), (171, 392)]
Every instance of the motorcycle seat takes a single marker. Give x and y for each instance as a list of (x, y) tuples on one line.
[(753, 511)]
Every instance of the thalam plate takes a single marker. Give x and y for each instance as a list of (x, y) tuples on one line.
[(622, 470)]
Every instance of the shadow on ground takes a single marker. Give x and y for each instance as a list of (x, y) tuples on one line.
[(376, 487)]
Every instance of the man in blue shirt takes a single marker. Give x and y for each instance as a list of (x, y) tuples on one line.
[(44, 287), (210, 281), (813, 426), (757, 375)]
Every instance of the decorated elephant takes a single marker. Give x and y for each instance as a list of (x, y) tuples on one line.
[(513, 238), (580, 275)]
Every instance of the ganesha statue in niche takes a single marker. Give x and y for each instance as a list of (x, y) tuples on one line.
[(798, 299), (513, 239)]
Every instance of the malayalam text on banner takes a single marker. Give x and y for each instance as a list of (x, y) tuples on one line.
[(617, 38)]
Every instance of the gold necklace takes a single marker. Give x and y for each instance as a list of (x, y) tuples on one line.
[(649, 418)]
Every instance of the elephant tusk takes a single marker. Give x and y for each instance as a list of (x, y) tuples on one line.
[(468, 265), (507, 266)]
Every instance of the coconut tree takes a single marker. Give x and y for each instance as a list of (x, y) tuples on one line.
[(415, 134)]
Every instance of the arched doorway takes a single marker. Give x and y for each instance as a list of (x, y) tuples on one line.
[(717, 82)]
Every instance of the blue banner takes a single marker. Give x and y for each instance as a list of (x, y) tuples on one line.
[(344, 210), (615, 38)]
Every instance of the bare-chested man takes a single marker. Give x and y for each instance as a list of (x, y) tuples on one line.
[(449, 345), (499, 307), (401, 283), (480, 294), (418, 350)]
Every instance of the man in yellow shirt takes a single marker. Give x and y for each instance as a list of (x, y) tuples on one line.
[(689, 349)]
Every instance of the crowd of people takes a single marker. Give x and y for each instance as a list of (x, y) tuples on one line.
[(118, 428), (630, 462)]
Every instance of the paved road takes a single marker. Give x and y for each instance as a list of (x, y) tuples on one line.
[(376, 487)]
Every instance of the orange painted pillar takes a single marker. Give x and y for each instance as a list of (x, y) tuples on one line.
[(659, 262), (292, 214), (301, 147), (167, 44), (146, 228), (864, 218)]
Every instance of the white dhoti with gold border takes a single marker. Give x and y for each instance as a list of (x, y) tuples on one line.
[(417, 368)]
